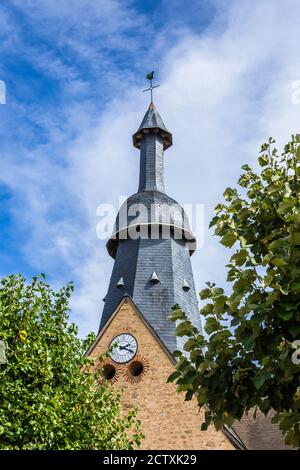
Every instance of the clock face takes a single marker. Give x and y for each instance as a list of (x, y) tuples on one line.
[(123, 348)]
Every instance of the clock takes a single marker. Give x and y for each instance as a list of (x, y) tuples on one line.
[(123, 348)]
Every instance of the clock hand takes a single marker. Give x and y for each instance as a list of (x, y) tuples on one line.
[(125, 347)]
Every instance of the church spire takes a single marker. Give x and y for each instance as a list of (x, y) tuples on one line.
[(152, 265)]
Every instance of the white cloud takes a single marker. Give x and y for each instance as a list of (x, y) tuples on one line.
[(222, 93), (227, 92)]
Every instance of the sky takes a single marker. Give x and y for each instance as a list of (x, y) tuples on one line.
[(74, 72)]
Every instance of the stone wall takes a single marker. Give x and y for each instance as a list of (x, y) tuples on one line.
[(168, 421)]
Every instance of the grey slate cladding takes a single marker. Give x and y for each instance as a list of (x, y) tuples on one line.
[(152, 123), (150, 208), (152, 120), (136, 259), (152, 164)]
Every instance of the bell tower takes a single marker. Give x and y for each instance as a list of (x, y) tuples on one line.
[(151, 245)]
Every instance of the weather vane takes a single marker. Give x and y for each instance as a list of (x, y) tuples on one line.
[(150, 78)]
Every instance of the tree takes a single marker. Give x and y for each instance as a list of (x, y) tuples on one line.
[(249, 358), (50, 397)]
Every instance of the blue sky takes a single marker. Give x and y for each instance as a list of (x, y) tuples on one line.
[(74, 71)]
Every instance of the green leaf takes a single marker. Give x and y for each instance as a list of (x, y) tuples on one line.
[(189, 395), (272, 297), (268, 278), (204, 293), (240, 257), (183, 329), (276, 244), (246, 168), (234, 301), (212, 325), (207, 309), (173, 376), (177, 315), (229, 194), (286, 205), (204, 426), (216, 292), (278, 262), (260, 379), (177, 353), (219, 306), (285, 314), (213, 221), (263, 160), (190, 344), (229, 239)]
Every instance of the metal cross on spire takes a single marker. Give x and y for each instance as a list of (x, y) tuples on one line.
[(150, 78)]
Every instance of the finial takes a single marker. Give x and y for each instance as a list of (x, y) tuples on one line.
[(149, 77)]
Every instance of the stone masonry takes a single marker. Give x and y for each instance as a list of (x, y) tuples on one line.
[(168, 422)]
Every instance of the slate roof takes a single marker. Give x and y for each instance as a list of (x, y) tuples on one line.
[(157, 208), (135, 262), (259, 433), (152, 121)]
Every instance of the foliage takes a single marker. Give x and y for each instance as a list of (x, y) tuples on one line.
[(246, 360), (49, 396)]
